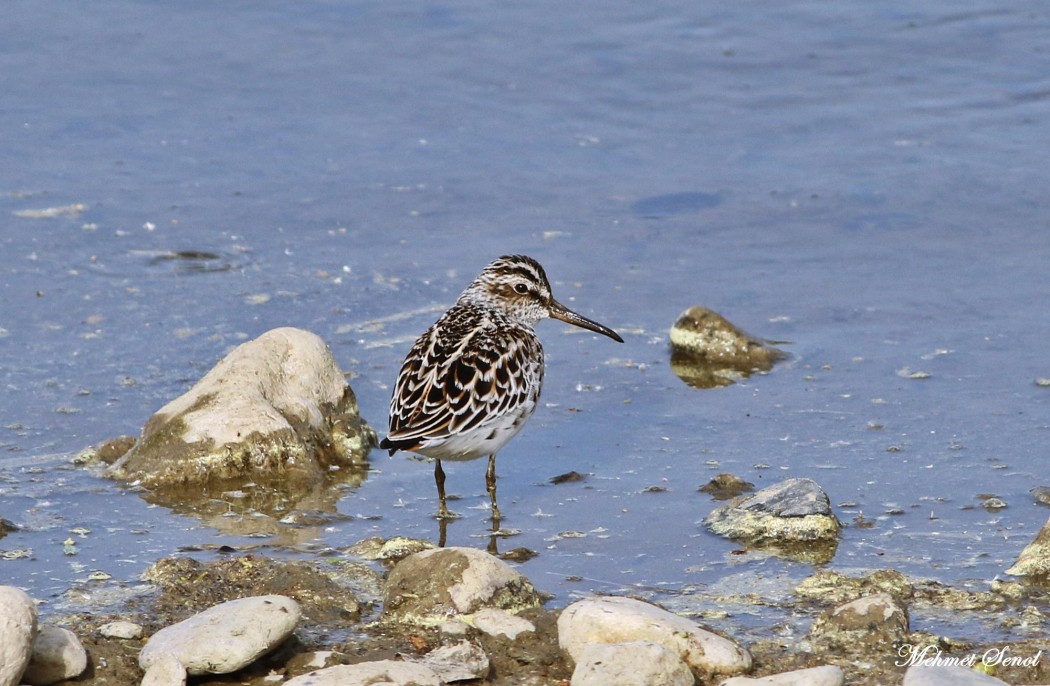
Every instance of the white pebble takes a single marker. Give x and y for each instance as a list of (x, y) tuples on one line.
[(120, 629), (499, 623)]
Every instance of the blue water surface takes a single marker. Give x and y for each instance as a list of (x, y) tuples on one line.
[(864, 180)]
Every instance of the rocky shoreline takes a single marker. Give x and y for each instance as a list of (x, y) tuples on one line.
[(275, 421), (414, 614)]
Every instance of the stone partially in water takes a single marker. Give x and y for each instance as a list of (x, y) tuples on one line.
[(622, 620), (1034, 560), (708, 351), (1041, 495), (871, 624), (792, 511), (725, 486), (277, 406), (223, 638), (431, 586), (18, 630)]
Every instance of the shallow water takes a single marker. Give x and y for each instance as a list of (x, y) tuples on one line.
[(865, 181)]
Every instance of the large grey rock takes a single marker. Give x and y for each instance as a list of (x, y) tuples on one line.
[(707, 350), (815, 676), (57, 655), (430, 586), (622, 620), (385, 672), (223, 638), (948, 675), (871, 624), (792, 511), (18, 630), (275, 406), (1035, 558), (635, 663)]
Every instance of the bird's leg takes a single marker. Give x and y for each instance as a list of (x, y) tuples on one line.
[(490, 484), (439, 479)]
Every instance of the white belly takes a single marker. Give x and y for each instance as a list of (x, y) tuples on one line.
[(481, 441)]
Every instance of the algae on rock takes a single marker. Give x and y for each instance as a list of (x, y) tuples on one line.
[(275, 408)]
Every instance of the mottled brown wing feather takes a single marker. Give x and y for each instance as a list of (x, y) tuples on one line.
[(462, 371)]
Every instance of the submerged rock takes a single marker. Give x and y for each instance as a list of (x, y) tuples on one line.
[(57, 655), (791, 512), (707, 350), (725, 486), (277, 406), (431, 586), (223, 638), (624, 620), (1034, 560), (18, 630), (832, 587), (872, 624)]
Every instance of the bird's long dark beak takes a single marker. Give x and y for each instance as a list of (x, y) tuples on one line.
[(559, 311)]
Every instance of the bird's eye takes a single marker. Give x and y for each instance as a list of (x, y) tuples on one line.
[(521, 288)]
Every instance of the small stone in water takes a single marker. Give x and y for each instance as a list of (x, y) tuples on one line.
[(566, 478), (1041, 494), (908, 373)]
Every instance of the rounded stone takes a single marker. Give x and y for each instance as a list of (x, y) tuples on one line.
[(431, 586), (635, 663), (870, 624), (707, 350), (226, 637), (794, 510), (120, 629), (620, 620), (1034, 560), (386, 672), (499, 623), (277, 405), (18, 630), (57, 655)]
